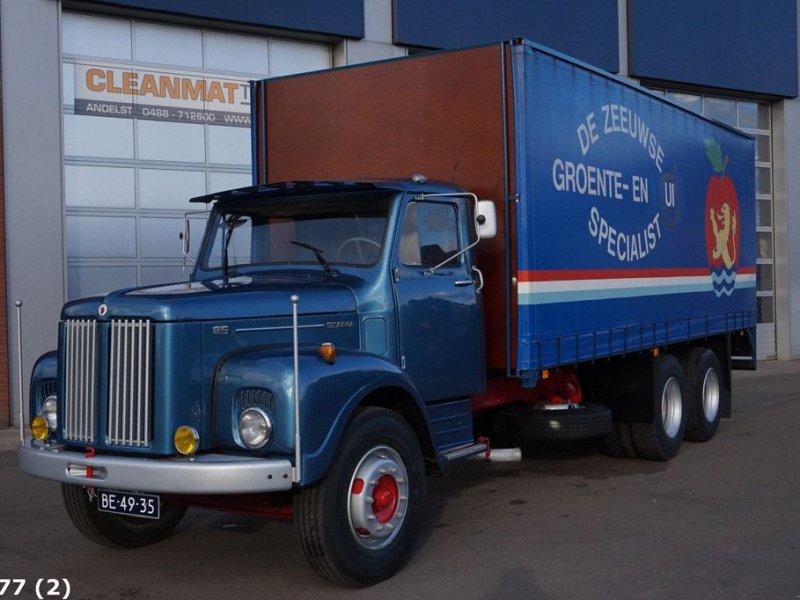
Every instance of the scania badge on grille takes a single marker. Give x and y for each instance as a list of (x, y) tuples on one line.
[(103, 310)]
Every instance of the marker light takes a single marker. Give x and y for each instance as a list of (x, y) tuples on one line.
[(328, 352), (186, 440), (39, 428)]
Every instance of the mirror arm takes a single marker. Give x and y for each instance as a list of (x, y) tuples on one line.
[(477, 225)]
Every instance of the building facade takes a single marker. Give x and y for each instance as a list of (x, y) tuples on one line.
[(116, 112)]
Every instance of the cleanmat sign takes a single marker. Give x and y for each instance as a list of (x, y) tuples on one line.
[(178, 96)]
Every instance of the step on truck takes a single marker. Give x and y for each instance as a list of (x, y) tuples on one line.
[(490, 244)]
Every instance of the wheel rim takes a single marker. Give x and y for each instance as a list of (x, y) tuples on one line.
[(378, 498), (671, 407), (711, 395)]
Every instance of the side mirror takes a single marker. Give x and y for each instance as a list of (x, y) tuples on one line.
[(486, 219)]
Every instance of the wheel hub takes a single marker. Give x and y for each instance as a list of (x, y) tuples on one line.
[(378, 497), (671, 407), (711, 394)]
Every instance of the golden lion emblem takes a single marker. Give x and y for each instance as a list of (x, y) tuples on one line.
[(723, 225)]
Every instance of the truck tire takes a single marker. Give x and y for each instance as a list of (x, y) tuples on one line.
[(358, 526), (529, 424), (703, 394), (661, 439), (619, 443), (117, 531)]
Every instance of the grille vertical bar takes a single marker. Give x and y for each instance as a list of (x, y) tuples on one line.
[(129, 393), (79, 386)]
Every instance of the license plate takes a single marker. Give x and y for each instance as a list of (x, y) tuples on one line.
[(146, 506)]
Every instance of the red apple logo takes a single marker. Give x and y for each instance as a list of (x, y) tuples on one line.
[(722, 223)]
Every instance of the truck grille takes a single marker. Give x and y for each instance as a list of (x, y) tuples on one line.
[(128, 362), (129, 396), (80, 380)]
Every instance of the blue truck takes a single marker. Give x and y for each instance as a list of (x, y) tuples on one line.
[(362, 314)]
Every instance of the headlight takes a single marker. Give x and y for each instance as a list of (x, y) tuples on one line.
[(255, 428), (50, 413)]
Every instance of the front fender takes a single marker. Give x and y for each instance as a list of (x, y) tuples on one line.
[(43, 375), (329, 393)]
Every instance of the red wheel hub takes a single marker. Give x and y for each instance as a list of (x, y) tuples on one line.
[(385, 498)]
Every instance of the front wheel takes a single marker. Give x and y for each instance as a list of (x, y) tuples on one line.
[(359, 524), (117, 530)]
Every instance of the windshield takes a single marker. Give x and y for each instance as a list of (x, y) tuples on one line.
[(343, 231)]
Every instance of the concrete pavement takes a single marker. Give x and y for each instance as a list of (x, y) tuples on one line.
[(719, 521)]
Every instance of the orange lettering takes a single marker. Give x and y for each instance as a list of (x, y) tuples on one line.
[(110, 87), (129, 82), (149, 86), (192, 89), (231, 89), (214, 93), (94, 77), (170, 86)]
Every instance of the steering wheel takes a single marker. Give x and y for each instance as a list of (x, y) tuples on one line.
[(358, 241)]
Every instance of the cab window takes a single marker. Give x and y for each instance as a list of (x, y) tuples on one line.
[(430, 234)]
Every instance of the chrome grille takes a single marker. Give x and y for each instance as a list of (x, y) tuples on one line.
[(254, 396), (49, 387), (80, 378), (130, 359)]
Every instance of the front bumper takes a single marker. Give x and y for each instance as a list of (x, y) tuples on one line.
[(203, 474)]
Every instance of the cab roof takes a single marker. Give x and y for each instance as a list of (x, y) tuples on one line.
[(313, 188)]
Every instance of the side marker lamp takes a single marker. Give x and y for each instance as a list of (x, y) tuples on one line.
[(328, 352)]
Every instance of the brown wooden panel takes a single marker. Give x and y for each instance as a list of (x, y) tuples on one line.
[(439, 115)]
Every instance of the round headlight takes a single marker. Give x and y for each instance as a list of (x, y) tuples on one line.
[(50, 412), (186, 440), (255, 428)]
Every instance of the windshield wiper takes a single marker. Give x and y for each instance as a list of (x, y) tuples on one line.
[(318, 253)]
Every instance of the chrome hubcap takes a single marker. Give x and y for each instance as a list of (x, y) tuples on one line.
[(711, 394), (671, 407)]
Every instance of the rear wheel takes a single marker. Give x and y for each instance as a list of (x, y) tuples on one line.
[(703, 394), (619, 443), (117, 530), (661, 439), (358, 525)]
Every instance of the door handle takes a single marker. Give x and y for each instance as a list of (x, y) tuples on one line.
[(465, 282), (477, 271)]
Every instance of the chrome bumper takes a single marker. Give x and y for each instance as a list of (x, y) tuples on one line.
[(203, 474)]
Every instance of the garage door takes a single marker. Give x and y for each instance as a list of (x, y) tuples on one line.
[(154, 114)]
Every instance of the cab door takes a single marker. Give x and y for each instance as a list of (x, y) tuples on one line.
[(438, 306)]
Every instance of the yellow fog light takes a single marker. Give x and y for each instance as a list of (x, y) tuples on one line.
[(186, 440), (39, 428), (328, 352)]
